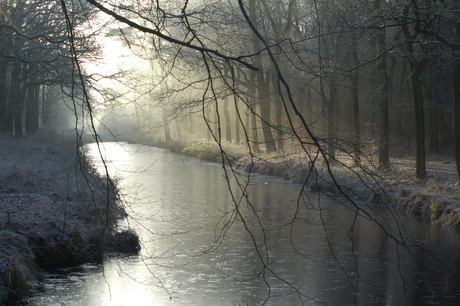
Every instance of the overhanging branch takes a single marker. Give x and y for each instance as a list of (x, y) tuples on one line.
[(169, 38)]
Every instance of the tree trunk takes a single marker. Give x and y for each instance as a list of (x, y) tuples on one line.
[(262, 83), (384, 158), (166, 126), (16, 99), (445, 125), (32, 106), (263, 94), (190, 124), (433, 113), (255, 134), (420, 163), (355, 105), (228, 124), (3, 95), (417, 67), (237, 119), (456, 89), (331, 122), (406, 126), (278, 116), (308, 107), (216, 124), (178, 128), (251, 117), (278, 122)]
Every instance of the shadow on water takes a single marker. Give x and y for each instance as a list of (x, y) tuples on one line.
[(179, 206)]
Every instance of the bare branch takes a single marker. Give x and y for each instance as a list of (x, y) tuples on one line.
[(169, 38)]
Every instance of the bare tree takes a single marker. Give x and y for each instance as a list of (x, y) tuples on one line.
[(253, 65), (35, 56)]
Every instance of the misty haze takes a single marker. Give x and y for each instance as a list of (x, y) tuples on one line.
[(249, 152)]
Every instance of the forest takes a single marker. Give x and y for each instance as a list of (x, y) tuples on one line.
[(376, 77), (346, 84)]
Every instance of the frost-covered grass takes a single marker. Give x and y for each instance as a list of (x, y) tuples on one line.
[(54, 209), (17, 265), (205, 150), (211, 151)]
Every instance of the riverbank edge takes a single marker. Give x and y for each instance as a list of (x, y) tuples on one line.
[(437, 197), (29, 245)]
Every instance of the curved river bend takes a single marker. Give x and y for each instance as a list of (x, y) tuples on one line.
[(180, 207)]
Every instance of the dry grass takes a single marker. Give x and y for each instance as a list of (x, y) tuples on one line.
[(210, 151), (16, 264)]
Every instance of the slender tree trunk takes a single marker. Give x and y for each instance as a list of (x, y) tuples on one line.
[(216, 122), (355, 105), (407, 138), (391, 96), (238, 115), (374, 88), (23, 117), (41, 99), (445, 126), (237, 119), (456, 90), (331, 121), (3, 95), (16, 99), (166, 126), (178, 128), (263, 94), (247, 123), (384, 157), (417, 67), (456, 87), (32, 106), (228, 124), (278, 122), (278, 116), (251, 113), (262, 82), (420, 163), (255, 133), (190, 124), (405, 125), (44, 106), (308, 107), (433, 115), (308, 113)]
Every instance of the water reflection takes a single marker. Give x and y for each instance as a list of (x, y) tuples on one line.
[(179, 207)]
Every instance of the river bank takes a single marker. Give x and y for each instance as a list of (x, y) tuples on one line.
[(437, 197), (54, 211)]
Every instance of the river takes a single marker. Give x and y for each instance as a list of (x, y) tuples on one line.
[(198, 249)]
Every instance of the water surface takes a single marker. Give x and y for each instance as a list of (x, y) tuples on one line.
[(196, 250)]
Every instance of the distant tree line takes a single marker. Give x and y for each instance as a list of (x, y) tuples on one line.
[(366, 76)]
